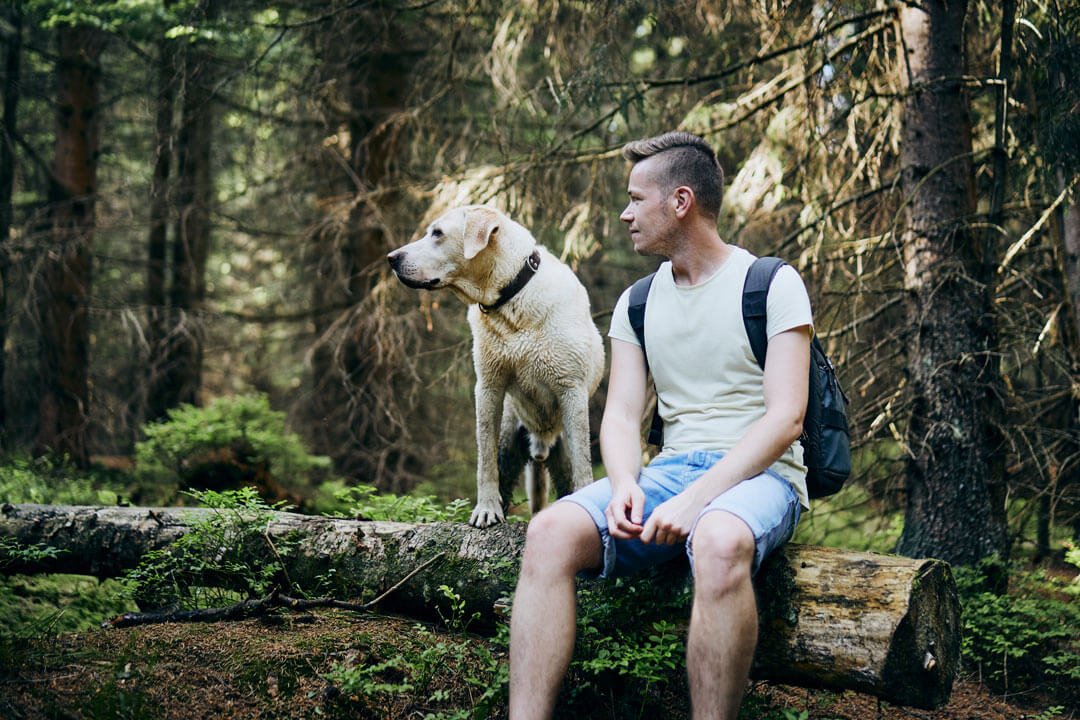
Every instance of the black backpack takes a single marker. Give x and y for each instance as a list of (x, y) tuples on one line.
[(825, 441)]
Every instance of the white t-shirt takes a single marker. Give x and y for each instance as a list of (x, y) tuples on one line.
[(707, 380)]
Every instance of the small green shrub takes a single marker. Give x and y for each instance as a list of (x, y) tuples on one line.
[(1028, 638), (363, 501), (242, 420), (630, 653), (12, 551), (49, 480), (225, 558), (454, 618), (1072, 556), (432, 672), (651, 659)]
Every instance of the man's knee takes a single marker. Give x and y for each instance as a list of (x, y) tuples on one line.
[(561, 538), (723, 548)]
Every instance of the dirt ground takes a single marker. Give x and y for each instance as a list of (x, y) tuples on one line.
[(284, 668)]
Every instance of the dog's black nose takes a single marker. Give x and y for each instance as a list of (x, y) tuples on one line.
[(395, 259)]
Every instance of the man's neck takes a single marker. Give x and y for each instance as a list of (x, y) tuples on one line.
[(699, 258)]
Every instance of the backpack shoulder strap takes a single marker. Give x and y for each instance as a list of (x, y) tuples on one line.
[(755, 302), (639, 293)]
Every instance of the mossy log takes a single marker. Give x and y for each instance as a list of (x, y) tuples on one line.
[(880, 624)]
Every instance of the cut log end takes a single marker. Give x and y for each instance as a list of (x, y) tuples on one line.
[(930, 630), (841, 620)]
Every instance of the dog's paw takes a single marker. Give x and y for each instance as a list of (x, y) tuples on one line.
[(487, 513)]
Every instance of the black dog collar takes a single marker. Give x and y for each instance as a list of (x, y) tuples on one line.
[(532, 264)]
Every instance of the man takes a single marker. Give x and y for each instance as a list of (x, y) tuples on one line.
[(728, 485)]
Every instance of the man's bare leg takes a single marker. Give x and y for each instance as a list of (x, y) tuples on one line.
[(723, 622), (562, 540)]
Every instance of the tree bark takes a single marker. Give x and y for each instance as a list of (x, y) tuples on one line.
[(884, 625), (955, 490), (13, 18), (157, 256), (1068, 221), (182, 372), (352, 376), (1068, 232), (65, 321)]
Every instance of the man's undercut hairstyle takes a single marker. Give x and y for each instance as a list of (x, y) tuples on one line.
[(683, 159)]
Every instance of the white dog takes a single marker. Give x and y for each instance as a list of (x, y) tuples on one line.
[(537, 354)]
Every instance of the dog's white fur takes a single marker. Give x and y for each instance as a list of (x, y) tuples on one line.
[(538, 358)]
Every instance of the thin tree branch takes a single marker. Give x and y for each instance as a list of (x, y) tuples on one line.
[(1019, 244), (759, 59), (247, 609)]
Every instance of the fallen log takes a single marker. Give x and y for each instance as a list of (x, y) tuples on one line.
[(350, 558), (841, 620)]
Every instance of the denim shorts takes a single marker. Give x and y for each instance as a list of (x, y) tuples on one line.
[(767, 504)]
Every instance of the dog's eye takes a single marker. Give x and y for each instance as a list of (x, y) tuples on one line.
[(436, 233)]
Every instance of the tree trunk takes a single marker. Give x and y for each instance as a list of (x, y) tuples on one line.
[(1068, 221), (65, 321), (182, 375), (1068, 230), (157, 256), (884, 625), (1000, 153), (13, 17), (350, 369), (955, 499), (378, 84)]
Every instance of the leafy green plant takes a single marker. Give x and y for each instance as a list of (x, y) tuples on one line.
[(1029, 637), (363, 501), (455, 619), (629, 645), (651, 660), (367, 681), (12, 551), (241, 420), (224, 558), (430, 670), (1072, 556), (52, 480)]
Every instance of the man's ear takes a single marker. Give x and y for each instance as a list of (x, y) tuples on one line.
[(683, 200), (480, 229)]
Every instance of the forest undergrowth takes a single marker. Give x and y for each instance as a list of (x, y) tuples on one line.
[(1021, 649), (335, 664)]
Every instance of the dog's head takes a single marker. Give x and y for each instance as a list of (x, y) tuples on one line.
[(447, 249)]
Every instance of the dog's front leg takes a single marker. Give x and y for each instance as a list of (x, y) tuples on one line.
[(575, 417), (489, 409)]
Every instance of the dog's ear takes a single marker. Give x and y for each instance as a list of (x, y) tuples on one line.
[(481, 226)]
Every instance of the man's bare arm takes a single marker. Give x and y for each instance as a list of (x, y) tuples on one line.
[(620, 437), (787, 367)]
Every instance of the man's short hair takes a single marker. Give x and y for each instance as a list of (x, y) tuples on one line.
[(685, 159)]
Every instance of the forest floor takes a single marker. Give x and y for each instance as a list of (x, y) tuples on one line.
[(285, 668)]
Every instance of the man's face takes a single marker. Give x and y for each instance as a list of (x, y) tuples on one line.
[(649, 214)]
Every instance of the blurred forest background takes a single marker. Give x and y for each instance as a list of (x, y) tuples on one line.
[(197, 197)]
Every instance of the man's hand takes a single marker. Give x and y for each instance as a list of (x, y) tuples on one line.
[(625, 510), (673, 519)]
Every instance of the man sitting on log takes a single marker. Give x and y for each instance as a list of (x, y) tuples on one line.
[(728, 484)]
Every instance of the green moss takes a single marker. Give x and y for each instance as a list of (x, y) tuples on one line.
[(31, 605)]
